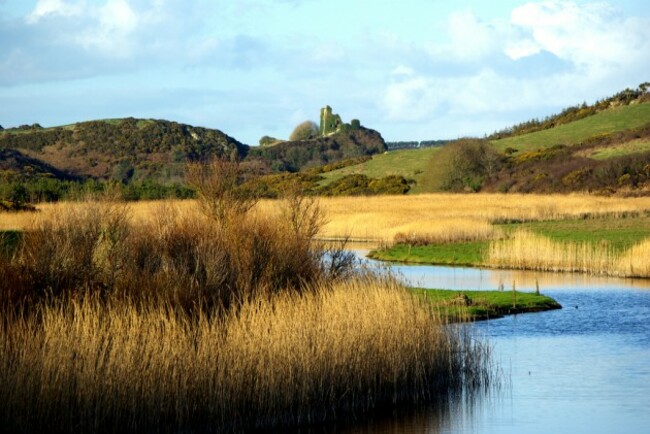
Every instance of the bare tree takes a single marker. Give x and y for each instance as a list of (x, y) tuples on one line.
[(217, 186)]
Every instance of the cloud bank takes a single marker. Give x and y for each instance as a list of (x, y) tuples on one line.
[(415, 70)]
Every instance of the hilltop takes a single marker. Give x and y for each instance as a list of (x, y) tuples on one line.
[(146, 157), (293, 156), (121, 149)]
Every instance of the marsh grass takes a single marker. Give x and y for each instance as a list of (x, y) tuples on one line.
[(380, 218), (85, 365), (525, 250), (460, 216)]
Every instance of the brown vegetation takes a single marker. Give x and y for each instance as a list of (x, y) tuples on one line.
[(563, 169)]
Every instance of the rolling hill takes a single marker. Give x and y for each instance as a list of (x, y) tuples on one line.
[(603, 148), (606, 152), (147, 157), (121, 149)]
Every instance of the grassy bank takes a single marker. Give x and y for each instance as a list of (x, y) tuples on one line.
[(528, 251), (411, 164), (481, 305), (606, 245), (441, 254)]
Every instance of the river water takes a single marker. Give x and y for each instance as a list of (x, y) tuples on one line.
[(581, 369)]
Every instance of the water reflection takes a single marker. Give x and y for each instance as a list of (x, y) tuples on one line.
[(490, 279), (444, 416), (584, 368), (445, 277)]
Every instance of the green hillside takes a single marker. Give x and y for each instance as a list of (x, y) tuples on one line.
[(606, 122), (409, 163), (591, 153)]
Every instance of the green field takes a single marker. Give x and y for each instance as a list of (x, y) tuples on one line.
[(617, 233), (409, 163), (419, 164), (481, 305), (609, 121)]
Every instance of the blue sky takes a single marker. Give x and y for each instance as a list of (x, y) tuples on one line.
[(411, 69)]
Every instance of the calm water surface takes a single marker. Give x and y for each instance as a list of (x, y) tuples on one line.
[(582, 369)]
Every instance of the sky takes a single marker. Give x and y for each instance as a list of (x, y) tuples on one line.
[(411, 69)]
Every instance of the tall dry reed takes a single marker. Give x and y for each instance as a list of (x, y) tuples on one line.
[(525, 250), (86, 365)]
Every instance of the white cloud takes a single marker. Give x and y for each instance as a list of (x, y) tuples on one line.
[(402, 70), (522, 48), (597, 51), (411, 99), (46, 8), (115, 23), (592, 36), (471, 38)]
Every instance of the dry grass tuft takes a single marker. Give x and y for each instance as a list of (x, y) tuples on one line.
[(446, 231), (189, 259)]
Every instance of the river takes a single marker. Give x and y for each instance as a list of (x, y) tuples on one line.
[(581, 369)]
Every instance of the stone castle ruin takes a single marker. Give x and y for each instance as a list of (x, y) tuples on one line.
[(331, 123)]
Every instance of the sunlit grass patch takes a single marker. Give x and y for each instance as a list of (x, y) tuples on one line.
[(529, 251), (612, 120)]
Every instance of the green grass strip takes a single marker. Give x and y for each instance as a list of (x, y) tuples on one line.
[(463, 305)]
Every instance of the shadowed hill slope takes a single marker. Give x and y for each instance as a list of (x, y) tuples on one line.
[(122, 149)]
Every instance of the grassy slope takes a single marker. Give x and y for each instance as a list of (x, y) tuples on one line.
[(609, 121), (619, 150), (409, 163), (618, 233), (480, 305)]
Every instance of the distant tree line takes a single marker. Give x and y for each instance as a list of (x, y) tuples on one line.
[(391, 146), (52, 190)]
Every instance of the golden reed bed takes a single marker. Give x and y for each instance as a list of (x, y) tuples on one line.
[(443, 217), (528, 251), (85, 366)]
